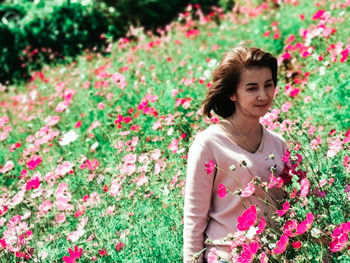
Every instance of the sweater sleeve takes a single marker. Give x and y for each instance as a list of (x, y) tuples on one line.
[(197, 201)]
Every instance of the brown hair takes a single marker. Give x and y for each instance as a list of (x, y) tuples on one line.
[(227, 76)]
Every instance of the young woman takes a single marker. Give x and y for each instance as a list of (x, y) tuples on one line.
[(243, 90)]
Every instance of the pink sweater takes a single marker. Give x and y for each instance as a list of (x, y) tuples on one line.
[(206, 215)]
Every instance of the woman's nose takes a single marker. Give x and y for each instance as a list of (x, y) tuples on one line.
[(262, 95)]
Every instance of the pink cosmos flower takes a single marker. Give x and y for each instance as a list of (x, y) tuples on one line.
[(286, 156), (248, 252), (221, 191), (338, 243), (318, 14), (119, 246), (286, 207), (249, 190), (213, 256), (247, 219), (305, 185), (281, 245), (62, 106), (290, 228), (9, 165), (263, 258), (210, 166), (45, 206), (73, 255), (64, 168), (60, 218), (33, 184), (275, 182), (306, 224), (286, 106), (33, 162)]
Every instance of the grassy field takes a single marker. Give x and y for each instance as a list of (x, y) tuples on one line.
[(93, 153)]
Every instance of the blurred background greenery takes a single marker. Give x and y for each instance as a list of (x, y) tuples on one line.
[(33, 32)]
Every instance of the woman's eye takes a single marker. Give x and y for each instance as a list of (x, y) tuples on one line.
[(251, 89), (269, 86)]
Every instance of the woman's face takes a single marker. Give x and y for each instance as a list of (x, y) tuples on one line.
[(255, 92)]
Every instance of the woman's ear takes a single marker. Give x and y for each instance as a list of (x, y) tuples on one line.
[(233, 97)]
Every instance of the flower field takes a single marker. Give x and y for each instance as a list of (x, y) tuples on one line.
[(93, 153)]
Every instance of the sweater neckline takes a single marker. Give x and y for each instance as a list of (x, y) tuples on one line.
[(260, 148)]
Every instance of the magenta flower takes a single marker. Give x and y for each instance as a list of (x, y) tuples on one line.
[(221, 190), (286, 207), (33, 184), (73, 255), (290, 228), (210, 166), (281, 245), (34, 162), (261, 225), (306, 224), (247, 219), (248, 252), (296, 244), (338, 243)]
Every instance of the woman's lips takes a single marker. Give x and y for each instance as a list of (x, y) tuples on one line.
[(261, 106)]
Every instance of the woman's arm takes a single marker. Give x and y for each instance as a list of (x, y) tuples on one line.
[(197, 201)]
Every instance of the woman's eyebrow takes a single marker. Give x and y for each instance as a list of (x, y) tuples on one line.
[(252, 83)]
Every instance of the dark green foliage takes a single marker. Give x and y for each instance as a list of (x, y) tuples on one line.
[(64, 31)]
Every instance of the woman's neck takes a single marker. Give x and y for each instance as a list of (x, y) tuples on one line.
[(246, 126)]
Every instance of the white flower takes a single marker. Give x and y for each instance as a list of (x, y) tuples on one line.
[(68, 137), (251, 232), (94, 146)]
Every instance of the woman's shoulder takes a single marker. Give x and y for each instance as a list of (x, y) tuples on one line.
[(275, 137), (207, 135)]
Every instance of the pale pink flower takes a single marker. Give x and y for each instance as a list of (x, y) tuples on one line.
[(9, 165), (174, 145), (213, 256), (305, 186), (249, 190), (45, 206), (60, 218), (64, 168), (52, 120), (141, 180), (63, 105), (115, 189), (110, 210), (263, 258), (101, 106), (129, 158), (286, 106), (156, 154), (119, 79)]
